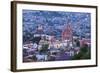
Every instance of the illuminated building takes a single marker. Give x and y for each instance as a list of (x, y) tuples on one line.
[(67, 33)]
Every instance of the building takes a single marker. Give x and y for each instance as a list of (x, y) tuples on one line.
[(67, 33), (85, 41)]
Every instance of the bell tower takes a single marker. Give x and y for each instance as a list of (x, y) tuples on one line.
[(67, 33)]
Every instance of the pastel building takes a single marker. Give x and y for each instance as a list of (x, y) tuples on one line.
[(67, 33), (85, 41)]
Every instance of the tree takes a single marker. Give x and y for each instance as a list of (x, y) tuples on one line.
[(44, 48), (83, 54)]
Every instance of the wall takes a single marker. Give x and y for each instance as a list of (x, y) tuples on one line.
[(5, 37)]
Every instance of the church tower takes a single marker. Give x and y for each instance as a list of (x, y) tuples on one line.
[(67, 33)]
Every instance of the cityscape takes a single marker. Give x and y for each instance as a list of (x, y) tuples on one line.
[(56, 36)]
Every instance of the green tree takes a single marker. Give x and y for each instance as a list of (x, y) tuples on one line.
[(44, 48), (83, 54)]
